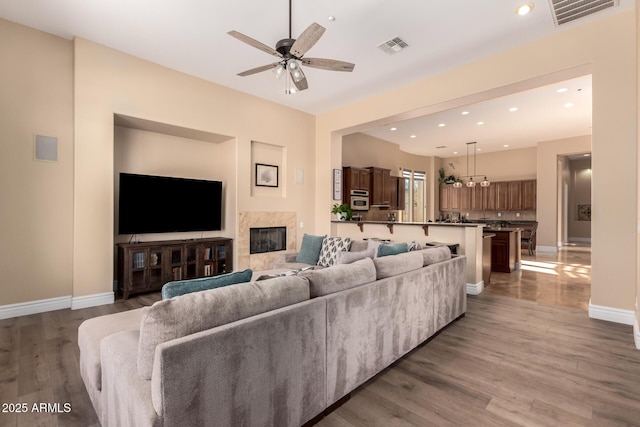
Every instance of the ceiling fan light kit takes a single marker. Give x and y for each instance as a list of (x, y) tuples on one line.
[(291, 52)]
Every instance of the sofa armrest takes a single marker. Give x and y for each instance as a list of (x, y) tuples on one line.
[(126, 397)]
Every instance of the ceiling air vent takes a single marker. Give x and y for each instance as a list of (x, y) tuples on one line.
[(393, 46), (569, 10)]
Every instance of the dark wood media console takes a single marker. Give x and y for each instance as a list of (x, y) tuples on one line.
[(147, 266)]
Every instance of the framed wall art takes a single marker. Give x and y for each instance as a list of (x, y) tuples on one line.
[(266, 175)]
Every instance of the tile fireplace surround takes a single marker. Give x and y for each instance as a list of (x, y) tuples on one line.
[(248, 220)]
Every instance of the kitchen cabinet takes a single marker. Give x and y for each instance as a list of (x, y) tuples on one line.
[(396, 186), (379, 186), (449, 198), (465, 197), (502, 196), (477, 198), (499, 196), (355, 179), (515, 196), (528, 195)]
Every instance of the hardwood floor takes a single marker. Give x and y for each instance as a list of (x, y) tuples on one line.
[(562, 279), (529, 361), (39, 364), (507, 362)]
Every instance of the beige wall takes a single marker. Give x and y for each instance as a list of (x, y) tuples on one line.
[(507, 165), (636, 325), (151, 153), (570, 53), (108, 82), (36, 198)]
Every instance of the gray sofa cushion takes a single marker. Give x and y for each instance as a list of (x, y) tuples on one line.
[(347, 257), (358, 245), (92, 331), (437, 254), (177, 317), (182, 287), (397, 264), (340, 277)]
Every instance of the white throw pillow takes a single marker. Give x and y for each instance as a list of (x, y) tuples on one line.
[(330, 248)]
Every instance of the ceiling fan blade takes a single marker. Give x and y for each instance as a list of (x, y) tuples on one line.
[(307, 39), (255, 43), (258, 69), (328, 64)]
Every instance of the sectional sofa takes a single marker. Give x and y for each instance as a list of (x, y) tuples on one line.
[(271, 352)]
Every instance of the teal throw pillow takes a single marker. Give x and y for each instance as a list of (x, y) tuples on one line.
[(181, 287), (395, 249), (310, 249)]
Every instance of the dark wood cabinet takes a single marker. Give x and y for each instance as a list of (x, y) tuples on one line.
[(465, 197), (477, 198), (355, 179), (502, 196), (499, 196), (504, 247), (397, 196), (144, 267), (515, 196), (379, 187), (528, 195)]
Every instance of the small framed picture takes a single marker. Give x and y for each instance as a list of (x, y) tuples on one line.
[(266, 175), (337, 184)]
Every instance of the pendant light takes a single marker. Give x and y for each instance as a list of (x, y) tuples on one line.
[(471, 183)]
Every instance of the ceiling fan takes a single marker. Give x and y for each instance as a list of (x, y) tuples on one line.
[(291, 52)]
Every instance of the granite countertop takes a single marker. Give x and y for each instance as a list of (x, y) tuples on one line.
[(494, 229), (439, 224)]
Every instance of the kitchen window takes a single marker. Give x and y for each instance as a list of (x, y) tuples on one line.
[(415, 192)]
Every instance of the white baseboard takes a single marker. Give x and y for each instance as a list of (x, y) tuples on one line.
[(547, 249), (579, 239), (610, 314), (92, 300), (33, 307), (41, 306), (636, 330), (475, 289)]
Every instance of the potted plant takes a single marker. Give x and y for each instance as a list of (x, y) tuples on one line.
[(441, 177), (343, 212)]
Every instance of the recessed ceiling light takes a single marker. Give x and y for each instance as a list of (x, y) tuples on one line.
[(441, 125), (478, 149), (562, 90), (464, 113), (524, 9), (413, 136), (331, 18), (512, 109), (480, 123), (392, 129), (568, 105), (505, 145), (455, 152)]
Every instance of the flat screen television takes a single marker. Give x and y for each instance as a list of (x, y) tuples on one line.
[(160, 204)]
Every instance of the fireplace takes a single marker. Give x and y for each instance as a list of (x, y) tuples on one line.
[(267, 239)]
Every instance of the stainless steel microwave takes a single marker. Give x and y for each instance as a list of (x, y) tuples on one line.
[(359, 200)]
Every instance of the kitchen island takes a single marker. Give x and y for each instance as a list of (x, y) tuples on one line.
[(468, 236), (505, 249)]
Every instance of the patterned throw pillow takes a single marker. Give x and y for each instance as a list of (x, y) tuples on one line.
[(414, 246), (285, 274), (330, 248)]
